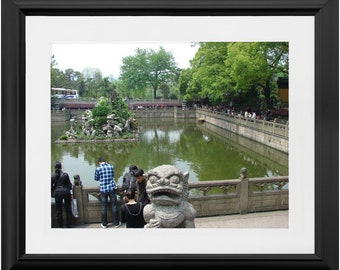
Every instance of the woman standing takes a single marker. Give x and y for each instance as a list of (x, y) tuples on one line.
[(61, 187), (132, 211)]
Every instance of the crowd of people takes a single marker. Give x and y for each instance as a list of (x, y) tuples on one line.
[(133, 187), (248, 113)]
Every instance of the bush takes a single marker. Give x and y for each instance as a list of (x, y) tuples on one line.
[(101, 111), (99, 115), (63, 138)]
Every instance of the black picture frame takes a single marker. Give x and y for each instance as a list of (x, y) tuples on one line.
[(13, 163)]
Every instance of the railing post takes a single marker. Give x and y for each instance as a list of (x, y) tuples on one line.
[(244, 191), (78, 194)]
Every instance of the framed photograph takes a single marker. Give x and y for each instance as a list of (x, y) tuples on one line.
[(30, 28)]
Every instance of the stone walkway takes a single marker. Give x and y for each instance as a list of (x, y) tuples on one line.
[(273, 219)]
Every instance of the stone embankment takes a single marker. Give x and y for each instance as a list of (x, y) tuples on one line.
[(270, 133)]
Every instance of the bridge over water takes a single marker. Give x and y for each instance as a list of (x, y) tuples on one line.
[(155, 104), (133, 104)]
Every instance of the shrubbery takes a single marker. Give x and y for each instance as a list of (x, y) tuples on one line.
[(103, 121)]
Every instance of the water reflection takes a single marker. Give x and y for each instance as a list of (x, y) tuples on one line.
[(185, 144)]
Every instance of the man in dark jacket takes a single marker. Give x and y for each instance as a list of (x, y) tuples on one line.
[(129, 179), (142, 196)]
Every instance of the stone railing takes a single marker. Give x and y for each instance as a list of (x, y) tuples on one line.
[(165, 113), (270, 127), (209, 198), (270, 133), (239, 196)]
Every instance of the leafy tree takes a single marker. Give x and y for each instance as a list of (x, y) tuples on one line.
[(165, 90), (119, 107), (69, 79), (93, 73), (106, 87), (229, 71), (89, 83), (107, 106), (207, 77), (94, 82), (256, 66), (100, 113), (183, 83), (125, 90), (54, 71), (148, 69), (57, 76), (81, 87)]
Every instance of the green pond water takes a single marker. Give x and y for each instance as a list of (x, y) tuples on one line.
[(202, 150)]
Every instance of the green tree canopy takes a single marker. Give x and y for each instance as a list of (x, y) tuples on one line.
[(255, 66), (69, 78), (208, 75), (148, 69), (89, 82), (226, 71)]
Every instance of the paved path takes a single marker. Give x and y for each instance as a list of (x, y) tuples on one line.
[(273, 219)]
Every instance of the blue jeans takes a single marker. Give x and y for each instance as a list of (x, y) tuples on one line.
[(113, 200)]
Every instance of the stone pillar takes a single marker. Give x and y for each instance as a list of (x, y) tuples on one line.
[(244, 191), (78, 194)]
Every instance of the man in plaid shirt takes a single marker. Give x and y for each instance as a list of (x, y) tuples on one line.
[(104, 173)]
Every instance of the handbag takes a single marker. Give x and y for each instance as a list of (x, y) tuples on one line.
[(74, 208)]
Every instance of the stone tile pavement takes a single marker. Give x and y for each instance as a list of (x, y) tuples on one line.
[(271, 219)]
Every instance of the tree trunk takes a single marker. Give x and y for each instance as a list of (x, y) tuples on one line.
[(266, 91), (154, 93)]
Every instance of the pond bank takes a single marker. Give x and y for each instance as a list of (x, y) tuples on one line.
[(95, 141)]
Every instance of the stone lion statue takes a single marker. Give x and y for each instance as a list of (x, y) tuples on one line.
[(167, 188)]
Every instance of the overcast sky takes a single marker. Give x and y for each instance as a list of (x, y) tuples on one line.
[(108, 57)]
